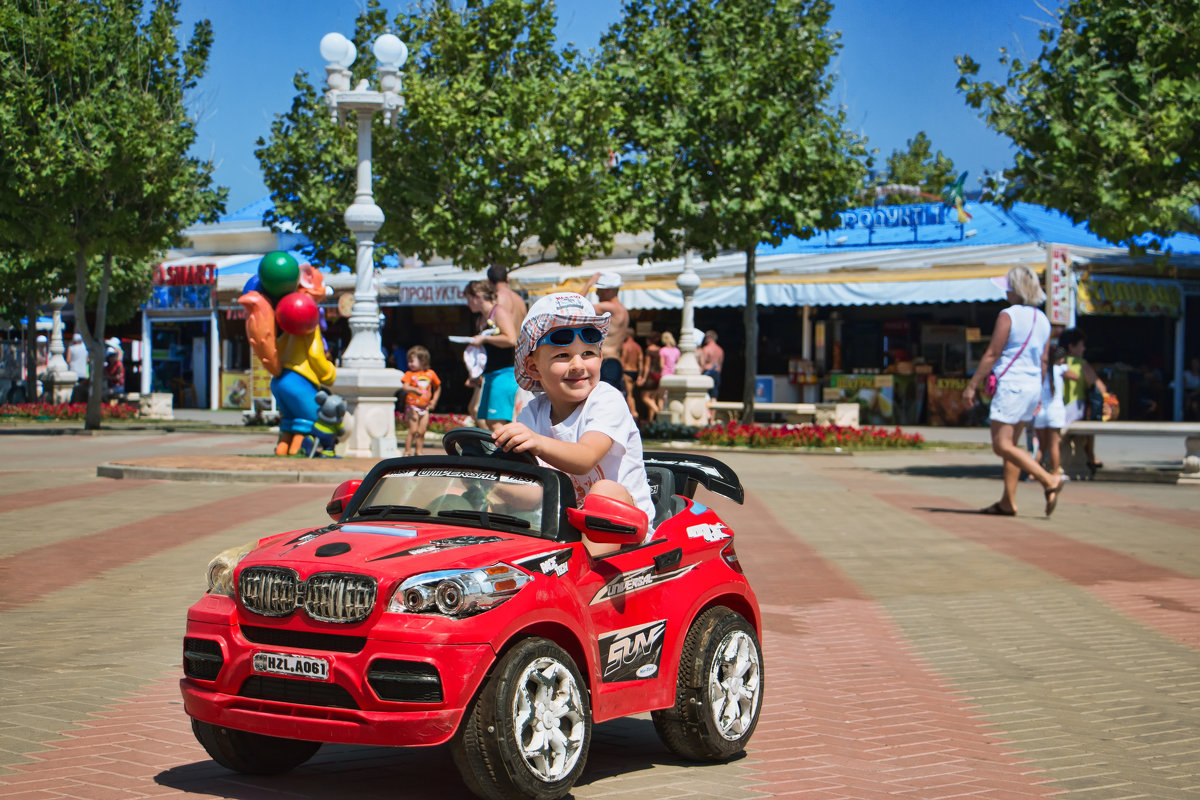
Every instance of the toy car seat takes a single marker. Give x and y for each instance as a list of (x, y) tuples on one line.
[(662, 493)]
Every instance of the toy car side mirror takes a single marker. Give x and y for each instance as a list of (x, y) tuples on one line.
[(341, 498), (609, 521)]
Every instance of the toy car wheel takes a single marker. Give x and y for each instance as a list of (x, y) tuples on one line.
[(528, 731), (719, 692), (252, 753)]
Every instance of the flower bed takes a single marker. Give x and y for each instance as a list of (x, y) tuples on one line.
[(438, 423), (735, 434), (65, 411)]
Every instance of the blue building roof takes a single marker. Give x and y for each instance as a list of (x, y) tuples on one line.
[(934, 225)]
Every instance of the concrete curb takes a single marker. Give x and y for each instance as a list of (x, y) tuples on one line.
[(135, 472)]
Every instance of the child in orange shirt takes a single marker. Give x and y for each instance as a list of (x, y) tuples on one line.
[(422, 388)]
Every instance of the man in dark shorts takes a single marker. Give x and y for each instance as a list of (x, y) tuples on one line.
[(607, 284)]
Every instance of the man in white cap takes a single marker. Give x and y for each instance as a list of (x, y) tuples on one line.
[(607, 284)]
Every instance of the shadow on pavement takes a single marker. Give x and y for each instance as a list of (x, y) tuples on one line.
[(946, 470), (621, 747)]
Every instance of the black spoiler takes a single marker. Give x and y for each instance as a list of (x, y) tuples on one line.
[(692, 469)]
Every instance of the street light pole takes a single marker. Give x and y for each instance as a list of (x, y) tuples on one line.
[(368, 386)]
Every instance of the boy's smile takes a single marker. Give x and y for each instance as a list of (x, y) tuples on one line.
[(568, 374)]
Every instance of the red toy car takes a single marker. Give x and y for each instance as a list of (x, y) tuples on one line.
[(453, 601)]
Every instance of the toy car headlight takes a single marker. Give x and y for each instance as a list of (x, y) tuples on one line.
[(220, 569), (457, 593)]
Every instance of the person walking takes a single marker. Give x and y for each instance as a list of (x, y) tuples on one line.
[(712, 360), (497, 336), (607, 285), (1080, 378), (1017, 355), (1049, 420), (77, 362)]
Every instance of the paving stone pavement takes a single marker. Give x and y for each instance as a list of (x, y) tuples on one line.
[(912, 649)]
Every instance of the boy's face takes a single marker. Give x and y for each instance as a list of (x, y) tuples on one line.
[(569, 373)]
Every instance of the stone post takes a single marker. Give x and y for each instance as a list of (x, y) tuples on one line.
[(687, 389), (58, 382)]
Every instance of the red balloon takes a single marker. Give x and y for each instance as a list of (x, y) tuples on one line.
[(297, 314)]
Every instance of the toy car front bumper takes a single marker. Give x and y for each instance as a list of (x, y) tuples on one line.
[(358, 715)]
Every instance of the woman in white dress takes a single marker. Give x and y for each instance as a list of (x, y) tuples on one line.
[(1018, 355)]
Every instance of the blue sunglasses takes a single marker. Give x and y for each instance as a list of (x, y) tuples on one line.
[(562, 337)]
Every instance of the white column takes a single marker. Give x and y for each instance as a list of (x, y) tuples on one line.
[(687, 389)]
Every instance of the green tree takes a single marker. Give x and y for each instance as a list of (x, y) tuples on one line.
[(1104, 119), (94, 135), (24, 283), (503, 137), (730, 142), (920, 171)]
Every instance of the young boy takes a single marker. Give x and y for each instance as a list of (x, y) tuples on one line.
[(422, 388), (575, 423)]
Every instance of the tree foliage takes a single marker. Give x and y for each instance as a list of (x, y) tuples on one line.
[(1104, 119), (920, 167), (728, 138), (94, 136), (503, 137)]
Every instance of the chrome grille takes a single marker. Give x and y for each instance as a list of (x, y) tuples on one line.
[(326, 596), (270, 591), (337, 597)]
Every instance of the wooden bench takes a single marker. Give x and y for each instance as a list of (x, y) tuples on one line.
[(843, 414), (1075, 440)]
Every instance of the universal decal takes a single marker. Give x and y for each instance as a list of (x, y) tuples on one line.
[(553, 562), (632, 654), (638, 579), (437, 545), (443, 472), (713, 532)]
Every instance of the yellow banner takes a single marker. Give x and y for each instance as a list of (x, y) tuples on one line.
[(1129, 297)]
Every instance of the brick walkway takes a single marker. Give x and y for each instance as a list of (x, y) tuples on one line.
[(912, 650)]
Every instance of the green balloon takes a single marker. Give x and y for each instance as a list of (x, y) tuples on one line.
[(278, 273)]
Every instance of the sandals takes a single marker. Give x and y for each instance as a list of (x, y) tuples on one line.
[(996, 510), (1052, 496)]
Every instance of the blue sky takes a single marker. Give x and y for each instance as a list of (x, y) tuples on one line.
[(896, 70)]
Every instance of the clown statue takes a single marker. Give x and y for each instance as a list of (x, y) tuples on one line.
[(296, 356)]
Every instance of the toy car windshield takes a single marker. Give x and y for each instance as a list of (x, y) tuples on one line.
[(483, 497)]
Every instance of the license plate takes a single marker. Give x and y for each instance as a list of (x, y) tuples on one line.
[(293, 666)]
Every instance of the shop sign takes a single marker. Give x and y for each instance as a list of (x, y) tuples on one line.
[(1129, 297), (180, 297), (1058, 286), (430, 294), (185, 275), (894, 216)]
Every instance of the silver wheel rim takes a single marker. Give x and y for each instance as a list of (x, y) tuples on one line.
[(548, 720), (734, 685)]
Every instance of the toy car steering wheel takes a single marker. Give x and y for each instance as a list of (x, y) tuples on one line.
[(478, 442)]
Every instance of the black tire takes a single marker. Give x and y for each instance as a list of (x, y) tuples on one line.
[(719, 693), (535, 690), (252, 753)]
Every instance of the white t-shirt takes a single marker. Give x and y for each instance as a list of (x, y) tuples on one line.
[(1028, 364), (605, 411)]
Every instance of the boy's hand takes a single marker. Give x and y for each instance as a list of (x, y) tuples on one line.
[(515, 437)]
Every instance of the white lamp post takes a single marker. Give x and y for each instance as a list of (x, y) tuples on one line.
[(687, 389), (368, 386)]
